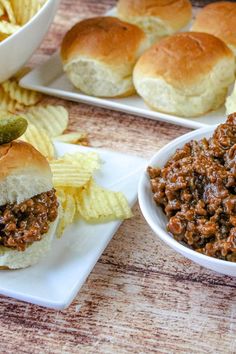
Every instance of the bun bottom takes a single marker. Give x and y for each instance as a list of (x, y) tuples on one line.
[(162, 97), (96, 79), (12, 259)]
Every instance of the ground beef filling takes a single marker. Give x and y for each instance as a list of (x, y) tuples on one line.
[(22, 224), (197, 191)]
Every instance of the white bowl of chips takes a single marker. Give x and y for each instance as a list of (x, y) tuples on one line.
[(23, 25)]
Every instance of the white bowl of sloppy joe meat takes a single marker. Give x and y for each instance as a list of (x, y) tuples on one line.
[(188, 196)]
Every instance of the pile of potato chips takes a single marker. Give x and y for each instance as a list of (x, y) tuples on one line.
[(16, 13), (73, 174)]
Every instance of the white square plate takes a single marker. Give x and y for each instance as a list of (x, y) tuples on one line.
[(50, 79), (56, 280)]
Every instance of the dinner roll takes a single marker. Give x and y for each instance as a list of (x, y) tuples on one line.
[(219, 19), (99, 55), (187, 74), (158, 18)]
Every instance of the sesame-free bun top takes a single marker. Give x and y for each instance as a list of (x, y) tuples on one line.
[(156, 17), (185, 74), (24, 173), (99, 54), (219, 19), (105, 38)]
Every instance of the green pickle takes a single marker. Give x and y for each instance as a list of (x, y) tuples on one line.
[(11, 128)]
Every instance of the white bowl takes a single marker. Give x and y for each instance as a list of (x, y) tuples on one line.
[(157, 219), (18, 48)]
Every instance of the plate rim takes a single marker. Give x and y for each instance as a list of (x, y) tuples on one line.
[(66, 300)]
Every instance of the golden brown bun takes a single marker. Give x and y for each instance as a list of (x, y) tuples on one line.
[(183, 59), (24, 172), (186, 74), (218, 19), (99, 54), (171, 14), (105, 38)]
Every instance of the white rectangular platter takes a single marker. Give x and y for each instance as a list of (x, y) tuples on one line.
[(56, 280), (50, 79)]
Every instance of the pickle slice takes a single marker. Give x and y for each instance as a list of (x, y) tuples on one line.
[(11, 128)]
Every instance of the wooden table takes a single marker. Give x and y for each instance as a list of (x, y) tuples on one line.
[(141, 297)]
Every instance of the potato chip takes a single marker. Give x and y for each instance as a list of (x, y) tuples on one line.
[(2, 11), (3, 113), (79, 138), (40, 140), (6, 103), (89, 161), (19, 94), (3, 36), (68, 206), (7, 6), (96, 204), (54, 119), (7, 28), (24, 10), (66, 174)]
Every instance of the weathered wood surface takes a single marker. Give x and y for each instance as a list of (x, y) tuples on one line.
[(141, 297)]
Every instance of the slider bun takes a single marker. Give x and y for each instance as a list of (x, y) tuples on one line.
[(218, 19), (24, 173), (158, 18), (99, 55), (13, 259), (187, 74)]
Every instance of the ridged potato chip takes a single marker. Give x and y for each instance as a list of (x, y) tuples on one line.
[(7, 104), (7, 28), (24, 10), (40, 140), (54, 119), (1, 10), (79, 138), (66, 174), (96, 204), (89, 161), (8, 8), (19, 94), (68, 205), (3, 113)]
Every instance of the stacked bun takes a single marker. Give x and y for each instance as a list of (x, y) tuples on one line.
[(157, 18), (187, 74), (99, 55), (218, 19)]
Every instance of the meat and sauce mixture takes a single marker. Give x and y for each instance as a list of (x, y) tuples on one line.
[(197, 191), (22, 224)]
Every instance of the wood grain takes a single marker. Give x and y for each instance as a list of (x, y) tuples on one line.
[(141, 297)]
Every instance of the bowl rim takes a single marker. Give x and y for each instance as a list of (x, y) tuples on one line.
[(143, 202), (26, 25)]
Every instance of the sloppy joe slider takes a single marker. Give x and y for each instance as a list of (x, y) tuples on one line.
[(28, 206)]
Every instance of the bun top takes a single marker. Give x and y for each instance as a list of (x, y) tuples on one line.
[(183, 59), (167, 10), (24, 172), (103, 38), (219, 19)]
